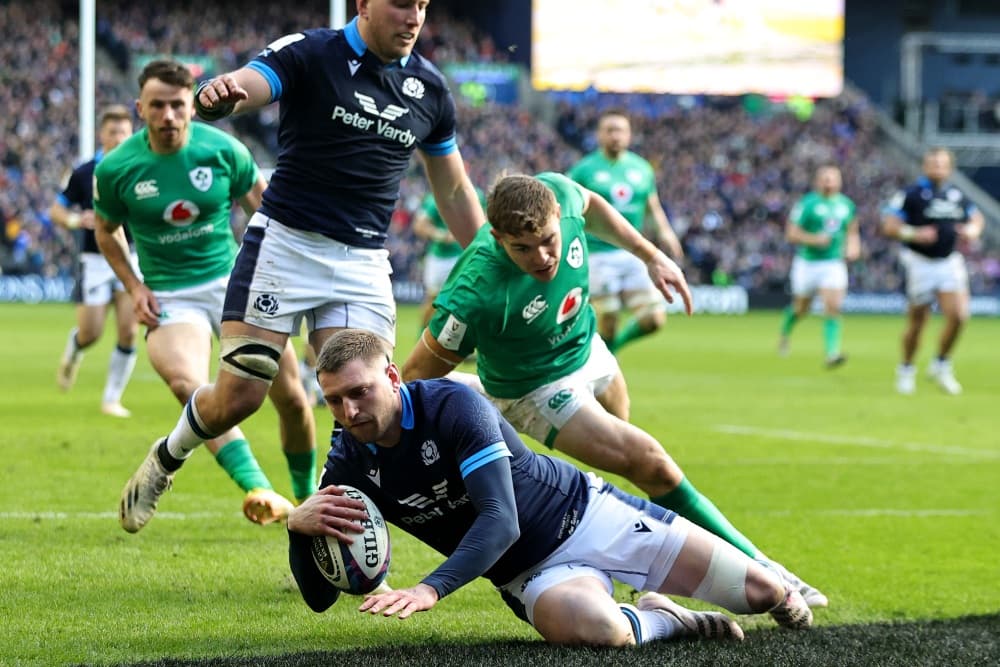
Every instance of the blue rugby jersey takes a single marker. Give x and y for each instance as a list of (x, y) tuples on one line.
[(450, 432), (922, 204), (348, 126), (79, 191)]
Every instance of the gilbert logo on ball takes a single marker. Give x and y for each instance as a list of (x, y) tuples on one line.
[(361, 566)]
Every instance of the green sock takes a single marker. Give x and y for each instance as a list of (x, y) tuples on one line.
[(788, 320), (696, 508), (632, 330), (302, 468), (831, 336), (239, 463)]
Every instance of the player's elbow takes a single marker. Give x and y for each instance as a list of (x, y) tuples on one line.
[(506, 531), (505, 536)]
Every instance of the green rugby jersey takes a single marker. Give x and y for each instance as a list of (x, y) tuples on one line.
[(443, 249), (832, 215), (528, 333), (177, 206), (626, 183)]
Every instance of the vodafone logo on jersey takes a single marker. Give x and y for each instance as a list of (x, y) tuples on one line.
[(621, 194), (181, 212), (571, 305)]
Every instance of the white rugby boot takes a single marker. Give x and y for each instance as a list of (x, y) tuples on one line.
[(704, 624), (143, 491), (906, 379), (940, 371)]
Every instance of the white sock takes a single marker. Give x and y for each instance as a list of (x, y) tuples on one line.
[(185, 437), (119, 371), (72, 350), (649, 626)]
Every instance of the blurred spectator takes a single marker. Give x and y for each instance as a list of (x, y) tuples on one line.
[(728, 167)]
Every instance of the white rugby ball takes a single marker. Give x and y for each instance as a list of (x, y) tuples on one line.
[(360, 567)]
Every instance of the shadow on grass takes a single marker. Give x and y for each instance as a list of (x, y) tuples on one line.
[(971, 640)]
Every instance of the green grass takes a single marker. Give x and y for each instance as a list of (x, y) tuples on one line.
[(889, 504)]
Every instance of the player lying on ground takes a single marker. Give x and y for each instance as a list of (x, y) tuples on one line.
[(442, 464), (519, 296)]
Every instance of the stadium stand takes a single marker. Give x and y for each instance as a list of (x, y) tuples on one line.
[(729, 167)]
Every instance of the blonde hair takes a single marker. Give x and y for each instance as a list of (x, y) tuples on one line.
[(347, 345)]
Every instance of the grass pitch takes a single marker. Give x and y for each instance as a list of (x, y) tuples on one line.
[(889, 504)]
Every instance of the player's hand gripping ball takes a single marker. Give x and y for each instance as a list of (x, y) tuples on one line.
[(360, 567)]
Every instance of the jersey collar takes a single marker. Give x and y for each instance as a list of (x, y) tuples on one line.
[(925, 182), (359, 47), (404, 395)]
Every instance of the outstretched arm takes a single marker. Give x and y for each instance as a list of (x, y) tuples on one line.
[(608, 224), (495, 529)]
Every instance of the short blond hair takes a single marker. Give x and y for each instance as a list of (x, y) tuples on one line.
[(347, 345)]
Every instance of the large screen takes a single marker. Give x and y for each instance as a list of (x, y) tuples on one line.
[(723, 47)]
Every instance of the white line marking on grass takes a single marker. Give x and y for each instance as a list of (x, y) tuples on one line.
[(880, 512), (103, 516), (820, 461), (856, 441)]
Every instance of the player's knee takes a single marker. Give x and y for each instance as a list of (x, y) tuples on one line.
[(250, 358), (651, 467), (604, 629), (86, 336), (576, 620)]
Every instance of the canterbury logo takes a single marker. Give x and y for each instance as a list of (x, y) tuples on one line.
[(146, 189), (391, 112)]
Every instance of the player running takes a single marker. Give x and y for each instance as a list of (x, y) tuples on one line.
[(174, 183), (824, 227), (96, 284)]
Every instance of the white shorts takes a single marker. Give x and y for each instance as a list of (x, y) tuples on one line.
[(547, 409), (926, 276), (97, 281), (436, 270), (614, 273), (200, 304), (811, 275), (620, 538), (283, 275)]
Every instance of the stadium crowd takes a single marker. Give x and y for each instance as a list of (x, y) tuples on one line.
[(729, 168)]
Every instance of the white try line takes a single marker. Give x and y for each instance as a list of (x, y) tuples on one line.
[(856, 441)]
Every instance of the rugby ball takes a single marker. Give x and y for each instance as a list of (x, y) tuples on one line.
[(360, 567)]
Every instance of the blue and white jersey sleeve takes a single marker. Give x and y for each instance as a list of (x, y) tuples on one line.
[(282, 61), (897, 205), (442, 139)]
